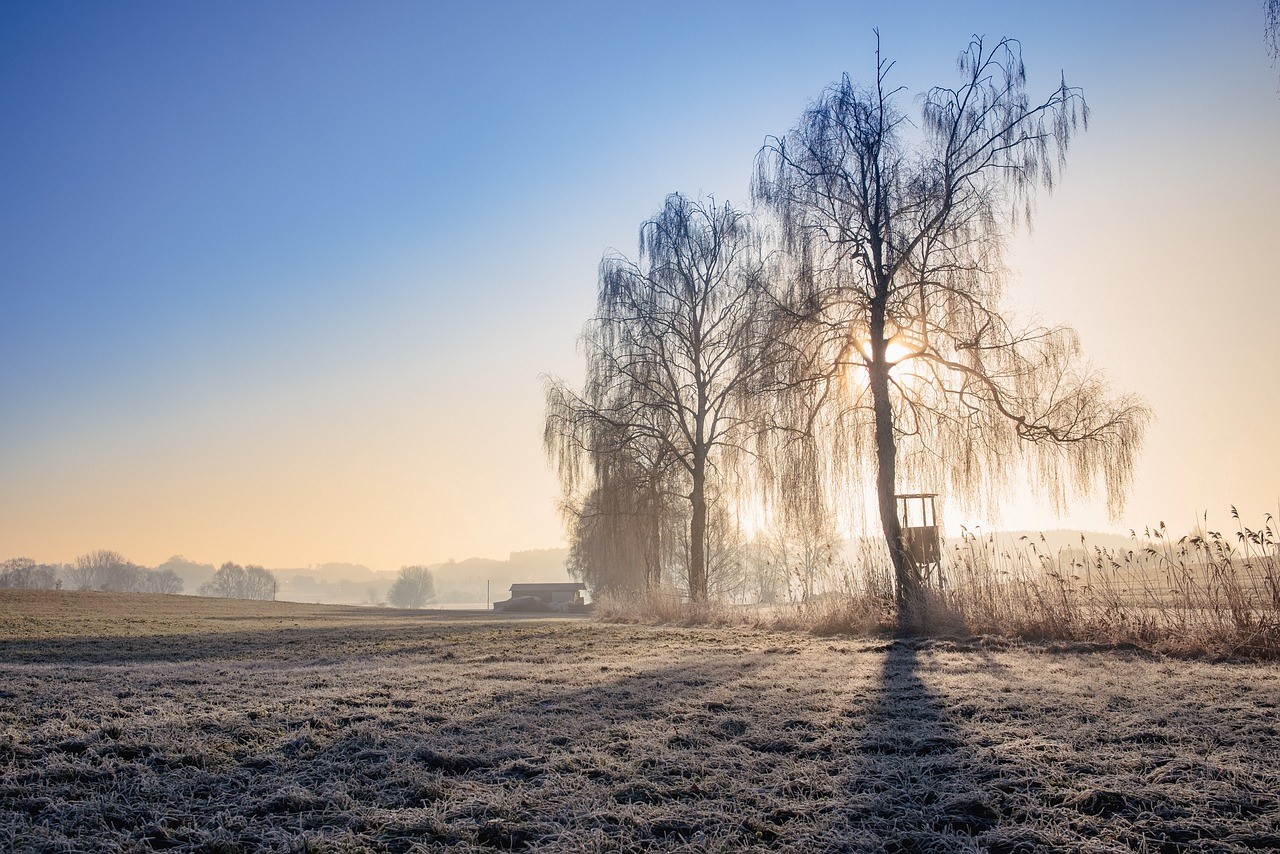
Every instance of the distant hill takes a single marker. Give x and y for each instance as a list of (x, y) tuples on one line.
[(334, 584), (455, 581), (1061, 538), (193, 574), (465, 581)]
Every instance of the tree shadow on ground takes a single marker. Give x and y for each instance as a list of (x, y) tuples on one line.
[(911, 785), (292, 642), (399, 758)]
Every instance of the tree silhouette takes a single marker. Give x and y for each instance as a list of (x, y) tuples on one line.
[(24, 573), (412, 588), (160, 581), (678, 345), (233, 581), (104, 570), (897, 233)]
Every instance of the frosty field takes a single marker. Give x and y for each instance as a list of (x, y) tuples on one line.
[(150, 722)]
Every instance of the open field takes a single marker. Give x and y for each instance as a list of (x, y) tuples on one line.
[(136, 722)]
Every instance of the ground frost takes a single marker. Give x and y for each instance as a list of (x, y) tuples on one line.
[(367, 731)]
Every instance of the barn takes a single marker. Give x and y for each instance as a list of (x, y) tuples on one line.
[(544, 596)]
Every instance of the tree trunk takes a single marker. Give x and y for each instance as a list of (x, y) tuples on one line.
[(698, 535), (909, 597), (653, 564)]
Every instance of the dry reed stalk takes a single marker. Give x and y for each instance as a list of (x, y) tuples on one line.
[(1204, 593)]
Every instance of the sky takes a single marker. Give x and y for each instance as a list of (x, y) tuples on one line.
[(279, 282)]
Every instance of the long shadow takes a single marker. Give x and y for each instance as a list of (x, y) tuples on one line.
[(296, 642), (596, 746), (912, 785)]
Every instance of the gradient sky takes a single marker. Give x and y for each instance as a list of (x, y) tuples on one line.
[(278, 280)]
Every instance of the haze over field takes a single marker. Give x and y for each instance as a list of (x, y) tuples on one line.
[(471, 582), (278, 282)]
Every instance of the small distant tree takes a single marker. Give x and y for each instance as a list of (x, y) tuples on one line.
[(259, 583), (233, 581), (226, 583), (413, 588), (159, 581), (104, 570), (24, 573)]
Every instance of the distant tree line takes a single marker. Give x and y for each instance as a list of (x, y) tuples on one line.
[(110, 572), (23, 573), (101, 570)]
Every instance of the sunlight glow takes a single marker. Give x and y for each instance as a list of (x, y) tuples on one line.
[(900, 349), (897, 350)]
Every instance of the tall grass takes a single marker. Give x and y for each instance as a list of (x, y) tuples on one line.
[(1207, 592)]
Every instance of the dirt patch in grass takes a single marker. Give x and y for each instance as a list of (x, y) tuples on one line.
[(279, 726)]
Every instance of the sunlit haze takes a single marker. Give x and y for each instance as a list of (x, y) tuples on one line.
[(278, 282)]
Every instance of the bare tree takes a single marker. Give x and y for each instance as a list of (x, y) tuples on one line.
[(159, 581), (233, 581), (24, 573), (104, 570), (898, 232), (801, 556), (677, 345), (412, 588)]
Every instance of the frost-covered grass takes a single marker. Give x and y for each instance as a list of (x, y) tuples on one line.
[(283, 726)]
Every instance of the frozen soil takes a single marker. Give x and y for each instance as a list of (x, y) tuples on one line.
[(149, 722)]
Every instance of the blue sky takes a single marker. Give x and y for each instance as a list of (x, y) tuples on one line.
[(279, 280)]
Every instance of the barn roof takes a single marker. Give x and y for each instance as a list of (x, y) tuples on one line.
[(549, 586)]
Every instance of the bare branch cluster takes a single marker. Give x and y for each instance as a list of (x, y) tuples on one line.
[(1272, 32)]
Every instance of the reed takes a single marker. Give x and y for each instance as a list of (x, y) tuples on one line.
[(1205, 593)]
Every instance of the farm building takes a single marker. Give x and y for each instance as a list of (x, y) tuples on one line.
[(548, 596)]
